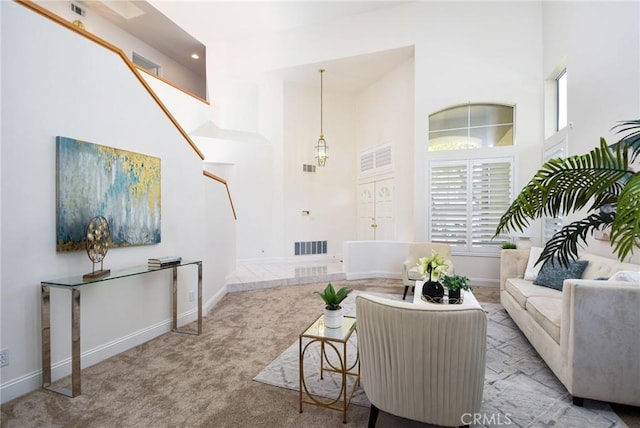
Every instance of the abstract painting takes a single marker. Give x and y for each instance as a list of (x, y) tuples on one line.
[(122, 186)]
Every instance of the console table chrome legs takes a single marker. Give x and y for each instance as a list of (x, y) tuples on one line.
[(74, 286), (174, 282), (75, 343)]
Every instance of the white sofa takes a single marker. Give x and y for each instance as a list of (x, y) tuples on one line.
[(588, 333)]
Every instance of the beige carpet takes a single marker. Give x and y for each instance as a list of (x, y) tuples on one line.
[(206, 381)]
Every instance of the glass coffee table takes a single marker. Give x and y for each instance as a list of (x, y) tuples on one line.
[(334, 338)]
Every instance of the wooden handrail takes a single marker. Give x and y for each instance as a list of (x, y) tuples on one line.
[(223, 181), (191, 94), (135, 70), (50, 15)]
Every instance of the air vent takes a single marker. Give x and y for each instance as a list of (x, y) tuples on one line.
[(77, 9), (304, 248), (376, 161), (308, 168), (383, 157), (366, 162)]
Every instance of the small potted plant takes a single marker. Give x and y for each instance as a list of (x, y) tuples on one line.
[(509, 246), (333, 311), (455, 283)]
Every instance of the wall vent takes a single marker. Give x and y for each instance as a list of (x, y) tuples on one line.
[(310, 271), (308, 168), (304, 248), (77, 9), (376, 161)]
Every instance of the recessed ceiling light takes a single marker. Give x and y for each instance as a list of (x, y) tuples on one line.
[(195, 56)]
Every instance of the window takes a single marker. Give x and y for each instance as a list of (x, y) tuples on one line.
[(561, 100), (467, 200), (552, 225), (471, 126), (148, 65)]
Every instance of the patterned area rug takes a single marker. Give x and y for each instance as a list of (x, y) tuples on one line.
[(520, 390)]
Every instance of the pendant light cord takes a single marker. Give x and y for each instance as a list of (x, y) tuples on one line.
[(321, 100)]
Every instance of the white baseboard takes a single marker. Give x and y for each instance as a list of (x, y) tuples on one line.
[(373, 274), (32, 381)]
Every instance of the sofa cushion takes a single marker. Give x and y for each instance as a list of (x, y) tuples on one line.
[(600, 266), (546, 312), (553, 273), (521, 289), (626, 276)]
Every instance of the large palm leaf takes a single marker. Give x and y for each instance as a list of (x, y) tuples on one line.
[(596, 181)]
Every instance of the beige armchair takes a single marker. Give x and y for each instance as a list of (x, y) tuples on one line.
[(417, 250), (420, 363)]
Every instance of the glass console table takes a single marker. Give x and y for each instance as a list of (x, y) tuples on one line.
[(74, 285)]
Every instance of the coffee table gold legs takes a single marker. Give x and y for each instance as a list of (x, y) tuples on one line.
[(342, 401)]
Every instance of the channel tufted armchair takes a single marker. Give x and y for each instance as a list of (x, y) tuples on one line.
[(420, 363), (417, 250)]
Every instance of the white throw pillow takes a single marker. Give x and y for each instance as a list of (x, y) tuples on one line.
[(531, 273), (626, 275)]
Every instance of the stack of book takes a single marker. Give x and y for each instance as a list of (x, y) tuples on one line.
[(164, 261)]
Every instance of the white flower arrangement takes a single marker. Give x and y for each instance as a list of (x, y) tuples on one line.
[(432, 267)]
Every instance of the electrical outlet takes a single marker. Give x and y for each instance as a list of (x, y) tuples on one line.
[(4, 357), (192, 296)]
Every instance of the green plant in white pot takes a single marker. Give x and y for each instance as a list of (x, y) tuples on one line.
[(333, 313), (455, 284)]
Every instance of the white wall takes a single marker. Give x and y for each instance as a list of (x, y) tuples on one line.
[(385, 114), (328, 194), (463, 52), (468, 52), (55, 82)]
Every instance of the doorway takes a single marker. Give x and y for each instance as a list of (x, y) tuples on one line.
[(376, 211)]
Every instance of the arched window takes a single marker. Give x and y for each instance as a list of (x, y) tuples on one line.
[(467, 192), (471, 126)]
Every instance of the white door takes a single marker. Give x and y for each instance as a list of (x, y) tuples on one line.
[(375, 211), (384, 210), (366, 212)]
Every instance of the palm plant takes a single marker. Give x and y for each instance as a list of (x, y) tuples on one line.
[(603, 182)]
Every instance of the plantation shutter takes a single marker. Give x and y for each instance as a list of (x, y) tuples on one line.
[(491, 197), (449, 203), (467, 199)]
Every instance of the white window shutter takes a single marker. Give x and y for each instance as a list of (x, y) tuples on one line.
[(467, 200), (490, 198), (449, 217)]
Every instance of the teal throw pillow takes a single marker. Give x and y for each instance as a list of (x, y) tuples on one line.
[(553, 274)]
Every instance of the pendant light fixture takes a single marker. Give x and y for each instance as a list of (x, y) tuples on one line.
[(321, 147)]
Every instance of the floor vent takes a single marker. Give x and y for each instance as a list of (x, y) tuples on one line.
[(304, 248), (310, 271), (308, 168)]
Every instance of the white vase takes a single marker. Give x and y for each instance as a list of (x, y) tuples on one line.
[(333, 318), (523, 242)]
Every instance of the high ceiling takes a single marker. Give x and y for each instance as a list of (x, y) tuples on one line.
[(160, 24)]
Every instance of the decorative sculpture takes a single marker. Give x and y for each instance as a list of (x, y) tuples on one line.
[(97, 242)]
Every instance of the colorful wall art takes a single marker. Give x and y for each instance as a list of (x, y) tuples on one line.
[(122, 186)]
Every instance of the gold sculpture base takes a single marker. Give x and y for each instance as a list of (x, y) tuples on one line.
[(96, 274)]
